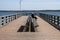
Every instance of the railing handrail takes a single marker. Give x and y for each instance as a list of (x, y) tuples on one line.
[(8, 18), (52, 19)]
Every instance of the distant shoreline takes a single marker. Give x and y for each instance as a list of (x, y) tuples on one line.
[(29, 10)]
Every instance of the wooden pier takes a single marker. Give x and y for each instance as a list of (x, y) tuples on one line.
[(44, 31)]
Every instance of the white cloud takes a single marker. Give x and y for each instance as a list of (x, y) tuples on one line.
[(29, 4), (40, 4)]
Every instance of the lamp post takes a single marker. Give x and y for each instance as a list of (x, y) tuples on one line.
[(20, 5)]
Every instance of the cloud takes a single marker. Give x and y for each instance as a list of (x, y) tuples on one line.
[(40, 4), (29, 4)]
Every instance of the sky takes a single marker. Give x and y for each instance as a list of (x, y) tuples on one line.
[(30, 4)]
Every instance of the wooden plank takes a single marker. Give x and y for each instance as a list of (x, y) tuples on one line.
[(14, 25), (44, 32)]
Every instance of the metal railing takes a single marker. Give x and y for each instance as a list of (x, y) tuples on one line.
[(8, 18), (51, 19)]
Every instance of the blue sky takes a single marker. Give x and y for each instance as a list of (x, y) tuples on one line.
[(30, 4)]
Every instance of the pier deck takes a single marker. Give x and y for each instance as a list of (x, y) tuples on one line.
[(44, 31), (14, 25)]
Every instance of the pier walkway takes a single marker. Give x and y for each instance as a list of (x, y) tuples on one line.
[(14, 25), (44, 31)]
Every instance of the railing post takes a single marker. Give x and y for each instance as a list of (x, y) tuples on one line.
[(8, 18), (52, 19)]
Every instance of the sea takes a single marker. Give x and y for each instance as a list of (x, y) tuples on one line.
[(52, 13), (3, 13)]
